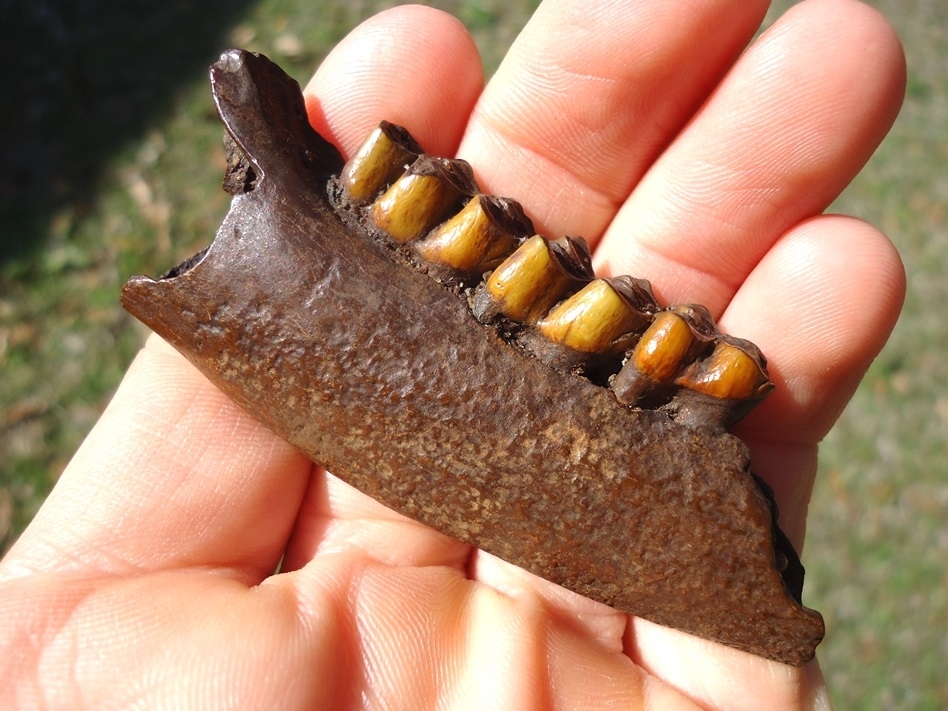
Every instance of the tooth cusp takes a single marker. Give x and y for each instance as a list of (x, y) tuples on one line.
[(573, 257)]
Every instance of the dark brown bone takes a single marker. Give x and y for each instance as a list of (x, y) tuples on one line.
[(384, 376)]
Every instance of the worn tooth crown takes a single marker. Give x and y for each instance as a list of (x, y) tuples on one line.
[(663, 347), (385, 155), (479, 237), (527, 284), (674, 339), (733, 371), (543, 294), (428, 192), (592, 319)]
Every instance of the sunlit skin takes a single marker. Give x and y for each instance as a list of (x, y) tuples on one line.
[(643, 125)]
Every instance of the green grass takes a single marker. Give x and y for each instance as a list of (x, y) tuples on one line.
[(113, 170), (877, 545)]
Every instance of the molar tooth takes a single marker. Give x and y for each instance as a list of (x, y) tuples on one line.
[(385, 155), (656, 358), (663, 347), (593, 319), (429, 191), (537, 275), (735, 370), (672, 341), (479, 237), (719, 390)]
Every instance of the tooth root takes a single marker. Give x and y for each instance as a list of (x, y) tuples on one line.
[(385, 155), (735, 370), (429, 191), (592, 319), (479, 237)]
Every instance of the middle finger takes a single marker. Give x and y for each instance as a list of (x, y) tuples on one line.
[(590, 94)]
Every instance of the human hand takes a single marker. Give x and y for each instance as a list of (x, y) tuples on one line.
[(147, 576)]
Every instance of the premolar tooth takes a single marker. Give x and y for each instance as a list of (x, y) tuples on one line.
[(385, 155), (479, 237), (429, 191)]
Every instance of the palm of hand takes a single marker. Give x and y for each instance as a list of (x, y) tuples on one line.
[(147, 577)]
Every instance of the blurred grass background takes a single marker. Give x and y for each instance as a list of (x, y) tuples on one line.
[(111, 165)]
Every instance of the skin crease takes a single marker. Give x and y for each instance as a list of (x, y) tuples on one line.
[(146, 577)]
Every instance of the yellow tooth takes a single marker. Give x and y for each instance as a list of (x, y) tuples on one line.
[(669, 344), (663, 347), (528, 282), (412, 206), (731, 372), (591, 319), (385, 155), (476, 239), (700, 320)]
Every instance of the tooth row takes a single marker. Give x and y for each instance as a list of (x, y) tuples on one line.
[(543, 292)]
